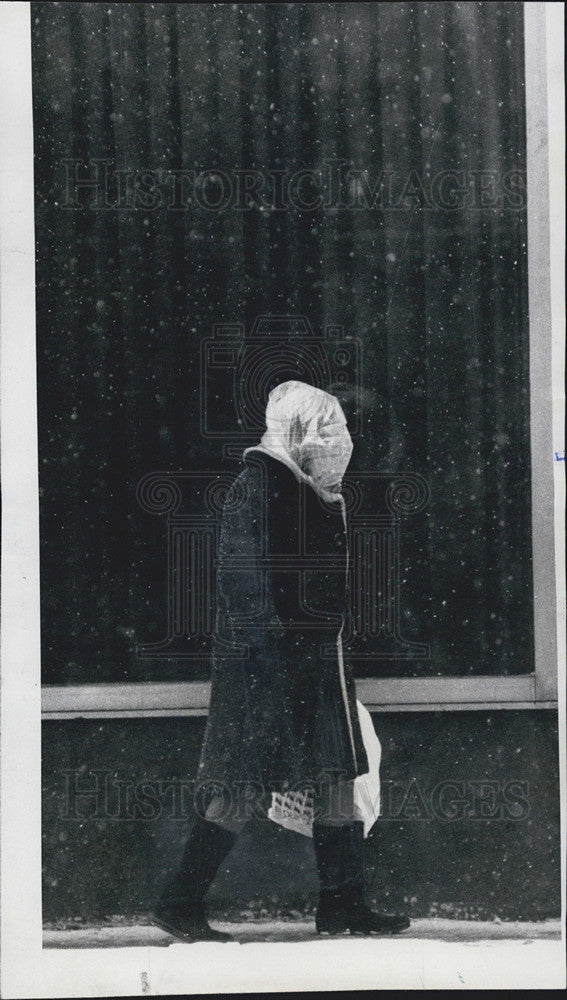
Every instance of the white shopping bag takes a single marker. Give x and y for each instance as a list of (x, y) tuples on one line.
[(294, 810), (367, 786)]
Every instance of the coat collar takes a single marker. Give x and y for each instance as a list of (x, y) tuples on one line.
[(301, 477), (282, 459)]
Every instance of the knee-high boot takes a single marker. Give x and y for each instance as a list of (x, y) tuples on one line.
[(180, 909), (339, 853)]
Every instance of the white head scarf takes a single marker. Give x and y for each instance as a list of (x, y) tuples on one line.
[(307, 431)]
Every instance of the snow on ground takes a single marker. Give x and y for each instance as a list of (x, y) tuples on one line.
[(285, 956), (433, 929)]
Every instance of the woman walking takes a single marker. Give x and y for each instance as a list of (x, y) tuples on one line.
[(283, 713)]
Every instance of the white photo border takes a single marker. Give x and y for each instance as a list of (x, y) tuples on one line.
[(27, 969)]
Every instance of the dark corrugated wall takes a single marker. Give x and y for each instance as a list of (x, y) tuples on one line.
[(469, 825), (427, 273)]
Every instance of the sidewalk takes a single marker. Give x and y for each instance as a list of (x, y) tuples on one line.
[(288, 956), (257, 931)]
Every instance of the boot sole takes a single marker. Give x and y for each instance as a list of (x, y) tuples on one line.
[(189, 938), (386, 932), (349, 933)]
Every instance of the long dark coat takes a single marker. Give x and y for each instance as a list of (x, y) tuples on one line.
[(283, 706)]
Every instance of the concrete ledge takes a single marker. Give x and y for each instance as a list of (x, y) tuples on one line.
[(256, 931)]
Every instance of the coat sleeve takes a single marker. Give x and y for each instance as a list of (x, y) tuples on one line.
[(239, 586)]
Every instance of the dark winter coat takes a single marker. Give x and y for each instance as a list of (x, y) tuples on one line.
[(283, 707)]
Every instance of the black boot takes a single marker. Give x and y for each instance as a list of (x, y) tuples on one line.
[(339, 852), (180, 909)]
